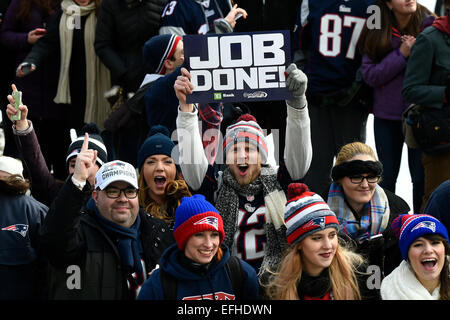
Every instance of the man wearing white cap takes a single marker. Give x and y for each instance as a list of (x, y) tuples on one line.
[(102, 247)]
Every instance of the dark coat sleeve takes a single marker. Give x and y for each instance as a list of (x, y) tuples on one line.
[(10, 34), (61, 240), (44, 185), (48, 44)]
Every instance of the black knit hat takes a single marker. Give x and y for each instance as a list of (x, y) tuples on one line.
[(159, 48), (158, 142), (95, 143)]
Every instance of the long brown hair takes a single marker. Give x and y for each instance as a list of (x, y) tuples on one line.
[(174, 191), (14, 185), (44, 6), (377, 43), (282, 285)]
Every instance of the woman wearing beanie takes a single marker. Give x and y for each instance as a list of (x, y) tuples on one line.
[(364, 209), (198, 266), (161, 185), (424, 272), (315, 266)]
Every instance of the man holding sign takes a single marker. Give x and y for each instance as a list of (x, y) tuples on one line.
[(102, 249), (249, 193)]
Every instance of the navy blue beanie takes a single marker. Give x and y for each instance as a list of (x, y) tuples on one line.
[(158, 142), (159, 48), (409, 227)]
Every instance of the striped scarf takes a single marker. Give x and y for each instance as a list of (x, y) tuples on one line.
[(373, 222), (227, 203)]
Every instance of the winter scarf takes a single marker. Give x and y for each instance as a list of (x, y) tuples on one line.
[(442, 24), (97, 75), (227, 203), (315, 288), (128, 244), (402, 284), (372, 223)]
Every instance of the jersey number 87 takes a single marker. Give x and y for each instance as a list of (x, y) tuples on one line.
[(333, 48)]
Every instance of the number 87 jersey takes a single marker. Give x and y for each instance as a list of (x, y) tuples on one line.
[(327, 33)]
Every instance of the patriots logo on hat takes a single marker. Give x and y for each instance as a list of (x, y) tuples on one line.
[(425, 224), (319, 222), (19, 228), (212, 221)]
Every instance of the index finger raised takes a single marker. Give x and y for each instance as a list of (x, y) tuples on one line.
[(85, 142)]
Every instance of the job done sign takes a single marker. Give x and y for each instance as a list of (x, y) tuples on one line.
[(238, 66)]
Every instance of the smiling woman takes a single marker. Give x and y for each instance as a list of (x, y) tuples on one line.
[(316, 266), (424, 272), (364, 209), (198, 264)]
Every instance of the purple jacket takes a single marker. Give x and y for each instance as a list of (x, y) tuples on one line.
[(45, 187), (39, 87), (386, 78)]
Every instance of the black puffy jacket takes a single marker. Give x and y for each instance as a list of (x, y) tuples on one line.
[(122, 29)]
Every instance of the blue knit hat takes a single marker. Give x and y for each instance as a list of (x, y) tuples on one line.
[(159, 48), (158, 142), (409, 227), (193, 215)]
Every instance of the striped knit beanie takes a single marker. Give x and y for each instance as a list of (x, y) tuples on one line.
[(306, 213), (159, 48), (193, 215), (409, 227), (248, 130), (95, 143)]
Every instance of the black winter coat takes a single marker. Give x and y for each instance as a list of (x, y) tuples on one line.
[(123, 27), (72, 238)]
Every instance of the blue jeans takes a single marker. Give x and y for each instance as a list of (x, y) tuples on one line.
[(389, 141)]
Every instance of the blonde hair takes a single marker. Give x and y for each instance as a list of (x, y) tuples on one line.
[(352, 149), (282, 285), (174, 191)]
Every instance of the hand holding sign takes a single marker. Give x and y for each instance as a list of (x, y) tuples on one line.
[(296, 82), (184, 87), (85, 161), (238, 66)]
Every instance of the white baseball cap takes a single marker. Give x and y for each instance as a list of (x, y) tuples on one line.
[(115, 171)]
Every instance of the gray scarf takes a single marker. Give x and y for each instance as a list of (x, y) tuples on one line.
[(227, 203)]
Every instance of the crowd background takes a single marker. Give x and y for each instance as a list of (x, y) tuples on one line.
[(103, 64)]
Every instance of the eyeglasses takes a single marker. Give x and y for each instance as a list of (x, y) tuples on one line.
[(360, 179), (114, 193)]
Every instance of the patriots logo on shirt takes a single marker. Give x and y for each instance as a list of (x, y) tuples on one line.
[(19, 228), (212, 221), (319, 222), (425, 224)]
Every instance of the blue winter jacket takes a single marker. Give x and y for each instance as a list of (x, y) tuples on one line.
[(215, 285)]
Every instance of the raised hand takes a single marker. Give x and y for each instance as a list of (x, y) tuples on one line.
[(21, 124), (296, 82), (85, 162), (231, 16), (183, 87)]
